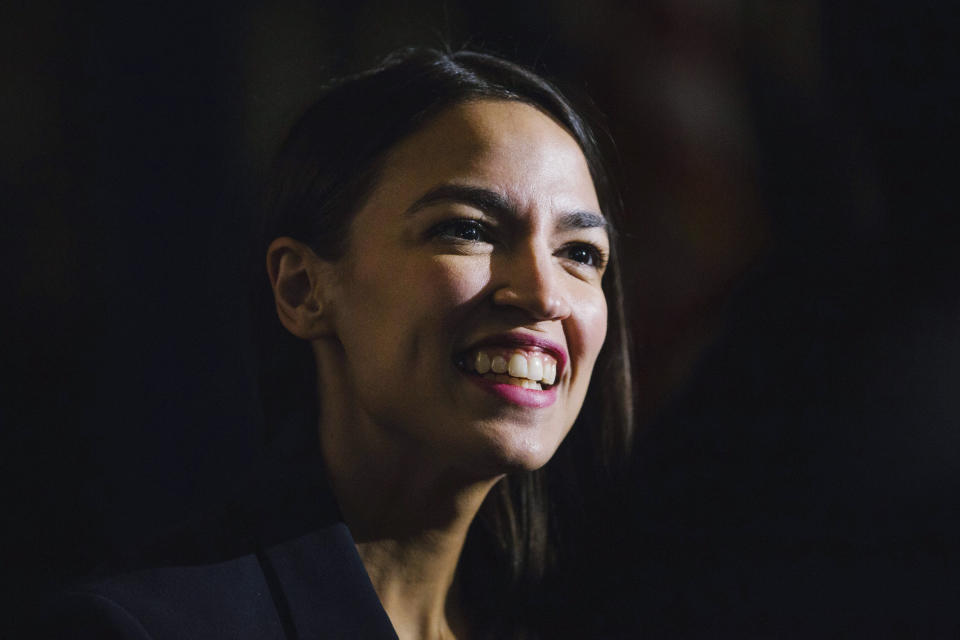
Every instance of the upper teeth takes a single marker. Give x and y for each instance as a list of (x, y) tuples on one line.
[(533, 366)]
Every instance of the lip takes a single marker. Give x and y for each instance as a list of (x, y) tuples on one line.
[(517, 395), (537, 343)]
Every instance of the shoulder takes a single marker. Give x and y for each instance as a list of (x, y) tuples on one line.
[(227, 599), (280, 565), (87, 615), (199, 579)]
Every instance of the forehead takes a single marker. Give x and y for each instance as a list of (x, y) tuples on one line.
[(508, 146)]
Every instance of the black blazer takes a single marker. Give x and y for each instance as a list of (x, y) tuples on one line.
[(279, 563)]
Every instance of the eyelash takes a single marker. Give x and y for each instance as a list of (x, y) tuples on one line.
[(455, 230), (598, 258), (448, 229)]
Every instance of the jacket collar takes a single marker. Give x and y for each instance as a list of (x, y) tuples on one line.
[(318, 582), (321, 583)]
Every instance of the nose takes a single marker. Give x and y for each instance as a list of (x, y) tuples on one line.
[(532, 282)]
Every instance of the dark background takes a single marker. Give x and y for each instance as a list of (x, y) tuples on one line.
[(787, 169)]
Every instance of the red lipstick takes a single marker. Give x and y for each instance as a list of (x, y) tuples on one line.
[(518, 395), (526, 341)]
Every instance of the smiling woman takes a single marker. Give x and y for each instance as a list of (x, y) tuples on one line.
[(441, 255), (421, 288)]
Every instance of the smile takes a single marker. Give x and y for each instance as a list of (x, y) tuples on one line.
[(535, 371), (518, 368)]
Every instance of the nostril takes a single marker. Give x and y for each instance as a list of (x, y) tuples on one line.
[(540, 307)]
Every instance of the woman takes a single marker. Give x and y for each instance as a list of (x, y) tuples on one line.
[(442, 261)]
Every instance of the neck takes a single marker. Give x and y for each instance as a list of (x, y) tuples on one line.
[(409, 517)]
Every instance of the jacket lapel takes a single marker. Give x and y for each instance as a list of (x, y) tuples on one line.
[(318, 582), (321, 582)]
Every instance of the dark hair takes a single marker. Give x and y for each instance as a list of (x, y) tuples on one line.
[(322, 174)]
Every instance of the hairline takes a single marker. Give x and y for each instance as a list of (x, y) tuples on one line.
[(371, 176)]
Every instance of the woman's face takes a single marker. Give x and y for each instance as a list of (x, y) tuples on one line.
[(481, 247)]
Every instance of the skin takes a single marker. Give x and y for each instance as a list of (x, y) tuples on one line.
[(412, 446)]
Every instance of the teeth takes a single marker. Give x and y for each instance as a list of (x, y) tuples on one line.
[(482, 363), (534, 368), (549, 372), (517, 382), (524, 367), (518, 366)]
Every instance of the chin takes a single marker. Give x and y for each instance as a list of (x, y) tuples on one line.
[(518, 451)]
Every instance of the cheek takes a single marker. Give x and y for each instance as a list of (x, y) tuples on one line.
[(450, 282), (406, 301), (590, 329)]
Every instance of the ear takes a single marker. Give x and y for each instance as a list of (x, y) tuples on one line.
[(299, 280)]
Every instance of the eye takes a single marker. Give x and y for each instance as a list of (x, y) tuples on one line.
[(461, 229), (585, 254)]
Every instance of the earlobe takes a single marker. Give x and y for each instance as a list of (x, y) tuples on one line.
[(297, 277)]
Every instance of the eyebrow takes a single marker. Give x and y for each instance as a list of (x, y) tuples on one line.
[(496, 204)]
